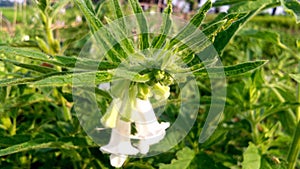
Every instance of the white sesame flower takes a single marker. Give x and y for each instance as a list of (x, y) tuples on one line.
[(119, 145), (149, 131)]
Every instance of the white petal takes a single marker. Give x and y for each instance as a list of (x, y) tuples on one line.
[(104, 86), (120, 140), (117, 160), (149, 131)]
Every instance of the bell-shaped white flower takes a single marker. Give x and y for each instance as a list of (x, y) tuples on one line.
[(119, 145), (149, 130)]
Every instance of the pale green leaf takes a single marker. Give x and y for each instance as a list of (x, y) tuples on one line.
[(295, 77), (252, 157), (184, 158)]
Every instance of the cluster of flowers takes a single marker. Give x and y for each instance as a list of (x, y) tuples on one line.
[(138, 109)]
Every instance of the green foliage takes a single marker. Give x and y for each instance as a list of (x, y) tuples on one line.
[(252, 158), (38, 127), (184, 158)]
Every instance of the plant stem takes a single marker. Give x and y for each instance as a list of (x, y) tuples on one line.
[(295, 146), (255, 133)]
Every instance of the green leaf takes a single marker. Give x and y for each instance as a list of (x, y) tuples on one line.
[(213, 28), (229, 71), (192, 26), (252, 158), (184, 158), (26, 80), (40, 69), (224, 37), (30, 54), (165, 28), (292, 6), (94, 22), (13, 140), (218, 136), (247, 6), (63, 143), (264, 35), (64, 61), (42, 4), (227, 2), (142, 22), (83, 63), (295, 77), (75, 79), (103, 37)]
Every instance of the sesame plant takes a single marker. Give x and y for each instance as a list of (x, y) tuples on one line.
[(149, 91)]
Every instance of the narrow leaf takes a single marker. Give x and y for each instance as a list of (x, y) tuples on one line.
[(223, 38), (229, 71), (94, 22), (63, 143), (165, 28), (247, 6), (192, 25), (26, 80), (142, 22), (40, 69)]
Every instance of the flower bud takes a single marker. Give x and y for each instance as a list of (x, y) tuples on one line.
[(110, 117), (161, 92)]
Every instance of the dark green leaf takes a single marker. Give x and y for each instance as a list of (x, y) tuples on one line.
[(224, 37), (36, 68)]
